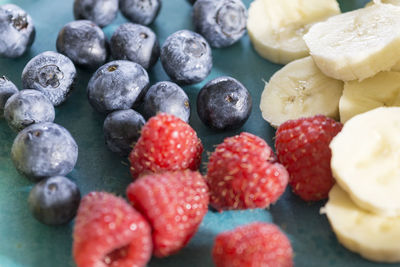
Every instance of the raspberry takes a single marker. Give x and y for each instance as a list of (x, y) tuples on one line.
[(166, 144), (302, 146), (253, 245), (109, 232), (243, 174), (174, 203)]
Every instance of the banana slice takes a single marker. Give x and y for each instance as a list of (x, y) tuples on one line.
[(358, 97), (393, 2), (297, 90), (276, 28), (358, 44), (366, 160), (374, 237)]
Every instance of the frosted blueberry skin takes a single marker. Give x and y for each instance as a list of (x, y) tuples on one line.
[(101, 12), (119, 84), (224, 104), (43, 150), (51, 73), (54, 201), (186, 57), (122, 129), (17, 31), (166, 97), (28, 107), (84, 43), (140, 11), (221, 22), (136, 43), (7, 89)]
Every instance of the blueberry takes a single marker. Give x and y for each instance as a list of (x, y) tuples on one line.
[(101, 12), (119, 84), (140, 11), (224, 104), (7, 89), (192, 1), (43, 150), (51, 73), (84, 43), (54, 200), (186, 57), (121, 129), (136, 43), (169, 98), (28, 107), (221, 22), (17, 31)]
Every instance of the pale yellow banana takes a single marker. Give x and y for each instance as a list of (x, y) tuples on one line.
[(373, 236), (366, 160), (358, 44), (297, 90), (276, 27), (380, 90)]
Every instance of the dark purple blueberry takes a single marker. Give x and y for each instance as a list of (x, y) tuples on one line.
[(7, 89), (51, 73), (192, 1), (169, 98), (17, 31), (140, 11), (136, 43), (101, 12), (27, 107), (84, 43), (44, 149), (119, 84), (221, 22), (224, 104), (122, 129), (54, 200), (186, 57)]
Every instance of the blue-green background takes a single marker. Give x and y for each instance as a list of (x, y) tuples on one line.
[(26, 242)]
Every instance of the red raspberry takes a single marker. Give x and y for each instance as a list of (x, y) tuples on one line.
[(174, 203), (243, 174), (166, 144), (109, 232), (253, 245), (302, 146)]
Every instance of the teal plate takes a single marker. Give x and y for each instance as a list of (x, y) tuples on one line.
[(26, 242)]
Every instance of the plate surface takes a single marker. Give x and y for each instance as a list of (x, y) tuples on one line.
[(26, 242)]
